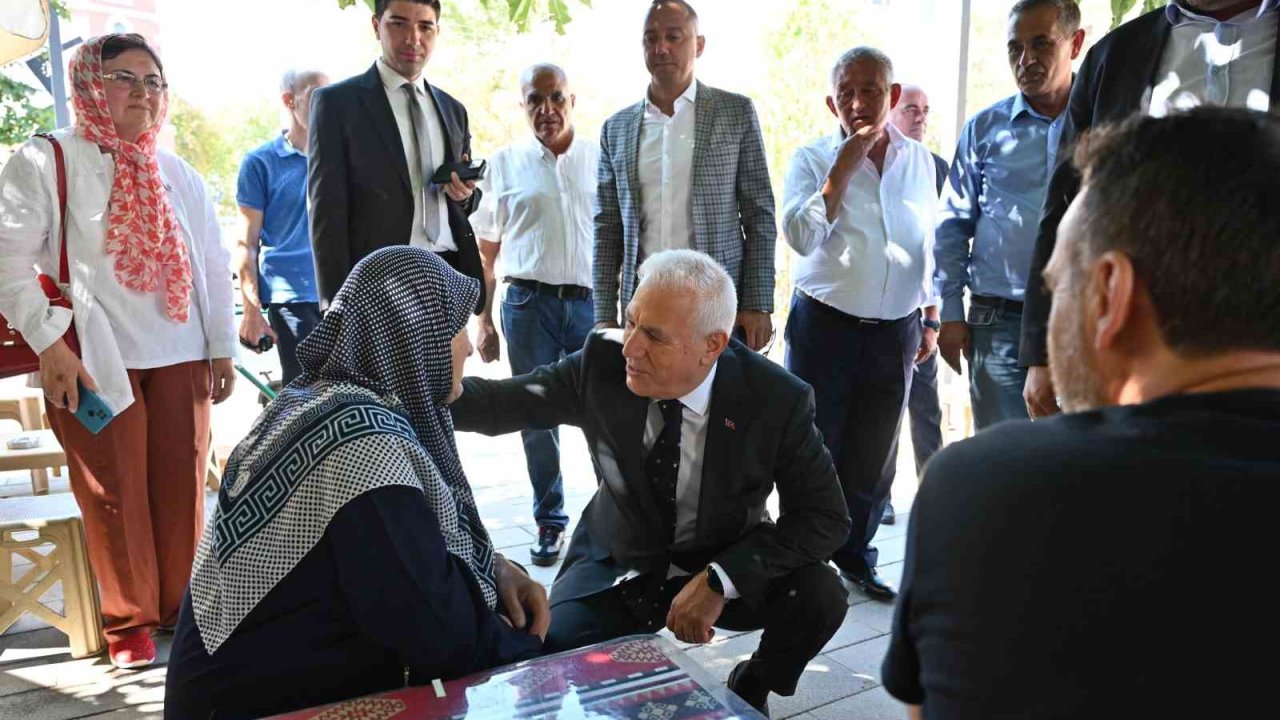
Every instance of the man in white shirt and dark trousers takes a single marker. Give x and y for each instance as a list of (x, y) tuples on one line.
[(538, 201), (859, 211), (685, 169)]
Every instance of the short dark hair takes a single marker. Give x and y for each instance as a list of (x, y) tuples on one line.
[(1068, 12), (118, 44), (380, 6), (1190, 200)]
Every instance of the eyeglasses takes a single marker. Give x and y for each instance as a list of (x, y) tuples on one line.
[(124, 79)]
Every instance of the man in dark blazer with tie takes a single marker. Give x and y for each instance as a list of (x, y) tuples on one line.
[(689, 433), (1153, 64), (376, 140), (684, 168)]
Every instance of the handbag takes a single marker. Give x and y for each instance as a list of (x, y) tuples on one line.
[(16, 356)]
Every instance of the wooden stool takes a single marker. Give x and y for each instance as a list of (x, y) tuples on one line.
[(27, 525), (47, 454)]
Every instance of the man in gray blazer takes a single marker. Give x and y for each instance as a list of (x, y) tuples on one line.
[(684, 169)]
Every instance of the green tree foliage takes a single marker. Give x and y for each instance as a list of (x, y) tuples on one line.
[(20, 118), (522, 13), (215, 144), (1121, 8)]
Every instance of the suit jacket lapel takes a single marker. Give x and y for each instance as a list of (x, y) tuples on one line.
[(722, 453), (1275, 78), (384, 121), (703, 113), (631, 151), (449, 131), (627, 426), (1146, 58)]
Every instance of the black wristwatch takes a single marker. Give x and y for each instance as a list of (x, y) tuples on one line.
[(933, 325), (714, 582)]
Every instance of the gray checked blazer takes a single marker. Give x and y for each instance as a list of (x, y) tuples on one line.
[(733, 210)]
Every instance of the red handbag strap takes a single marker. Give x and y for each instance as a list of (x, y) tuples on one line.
[(64, 272)]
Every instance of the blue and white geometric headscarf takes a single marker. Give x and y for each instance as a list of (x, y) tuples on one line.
[(367, 412)]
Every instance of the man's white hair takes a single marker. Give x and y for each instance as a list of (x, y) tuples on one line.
[(716, 305)]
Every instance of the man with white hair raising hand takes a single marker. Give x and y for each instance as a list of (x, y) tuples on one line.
[(689, 432)]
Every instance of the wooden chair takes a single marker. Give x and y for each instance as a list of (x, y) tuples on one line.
[(28, 526)]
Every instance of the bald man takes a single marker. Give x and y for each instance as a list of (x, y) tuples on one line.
[(535, 219)]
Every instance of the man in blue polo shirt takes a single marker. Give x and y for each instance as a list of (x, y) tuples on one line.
[(274, 257)]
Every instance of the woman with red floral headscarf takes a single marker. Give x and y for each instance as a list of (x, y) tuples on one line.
[(151, 305)]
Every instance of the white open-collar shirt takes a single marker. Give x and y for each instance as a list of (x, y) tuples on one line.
[(876, 260), (392, 82), (541, 208), (665, 171)]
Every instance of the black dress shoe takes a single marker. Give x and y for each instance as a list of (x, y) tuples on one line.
[(889, 517), (742, 684), (547, 551), (870, 583)]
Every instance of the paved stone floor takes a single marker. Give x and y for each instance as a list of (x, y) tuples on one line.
[(40, 681)]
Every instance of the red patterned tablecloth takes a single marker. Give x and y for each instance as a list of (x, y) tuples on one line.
[(642, 677)]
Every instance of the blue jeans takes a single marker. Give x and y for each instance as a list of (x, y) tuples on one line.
[(541, 329), (995, 379), (861, 377), (292, 322)]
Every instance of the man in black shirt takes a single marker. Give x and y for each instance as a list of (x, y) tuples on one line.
[(1024, 594)]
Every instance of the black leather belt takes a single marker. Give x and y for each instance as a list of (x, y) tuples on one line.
[(996, 302), (846, 317), (564, 292)]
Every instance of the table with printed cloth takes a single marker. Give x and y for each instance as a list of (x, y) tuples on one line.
[(641, 677)]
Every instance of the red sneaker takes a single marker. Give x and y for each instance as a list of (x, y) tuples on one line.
[(135, 650)]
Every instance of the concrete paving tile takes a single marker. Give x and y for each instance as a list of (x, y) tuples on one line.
[(719, 658), (877, 615), (850, 632), (874, 704), (509, 537), (864, 658), (45, 704), (892, 571), (891, 549), (824, 681)]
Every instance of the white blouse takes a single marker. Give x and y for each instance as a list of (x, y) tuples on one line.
[(118, 328)]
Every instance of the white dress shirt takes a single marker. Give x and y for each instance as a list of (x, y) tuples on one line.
[(876, 260), (392, 82), (693, 442), (541, 208), (1207, 62), (665, 171)]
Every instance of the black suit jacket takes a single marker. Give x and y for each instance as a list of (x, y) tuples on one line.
[(358, 179), (1114, 82), (760, 434)]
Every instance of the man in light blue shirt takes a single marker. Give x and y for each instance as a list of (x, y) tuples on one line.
[(991, 207)]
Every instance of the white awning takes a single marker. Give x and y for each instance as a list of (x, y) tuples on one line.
[(24, 28)]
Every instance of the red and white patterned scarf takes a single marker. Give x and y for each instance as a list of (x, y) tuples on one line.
[(142, 232)]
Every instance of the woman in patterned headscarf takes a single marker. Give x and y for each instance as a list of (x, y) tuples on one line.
[(346, 548), (151, 306)]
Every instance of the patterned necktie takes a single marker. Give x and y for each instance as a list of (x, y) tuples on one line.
[(663, 463), (426, 164)]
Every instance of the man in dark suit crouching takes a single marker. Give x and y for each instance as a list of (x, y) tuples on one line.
[(689, 433)]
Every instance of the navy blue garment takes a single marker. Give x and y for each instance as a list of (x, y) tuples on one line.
[(378, 594), (293, 322), (862, 370)]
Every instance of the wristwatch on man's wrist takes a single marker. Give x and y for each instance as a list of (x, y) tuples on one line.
[(933, 325), (714, 582)]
